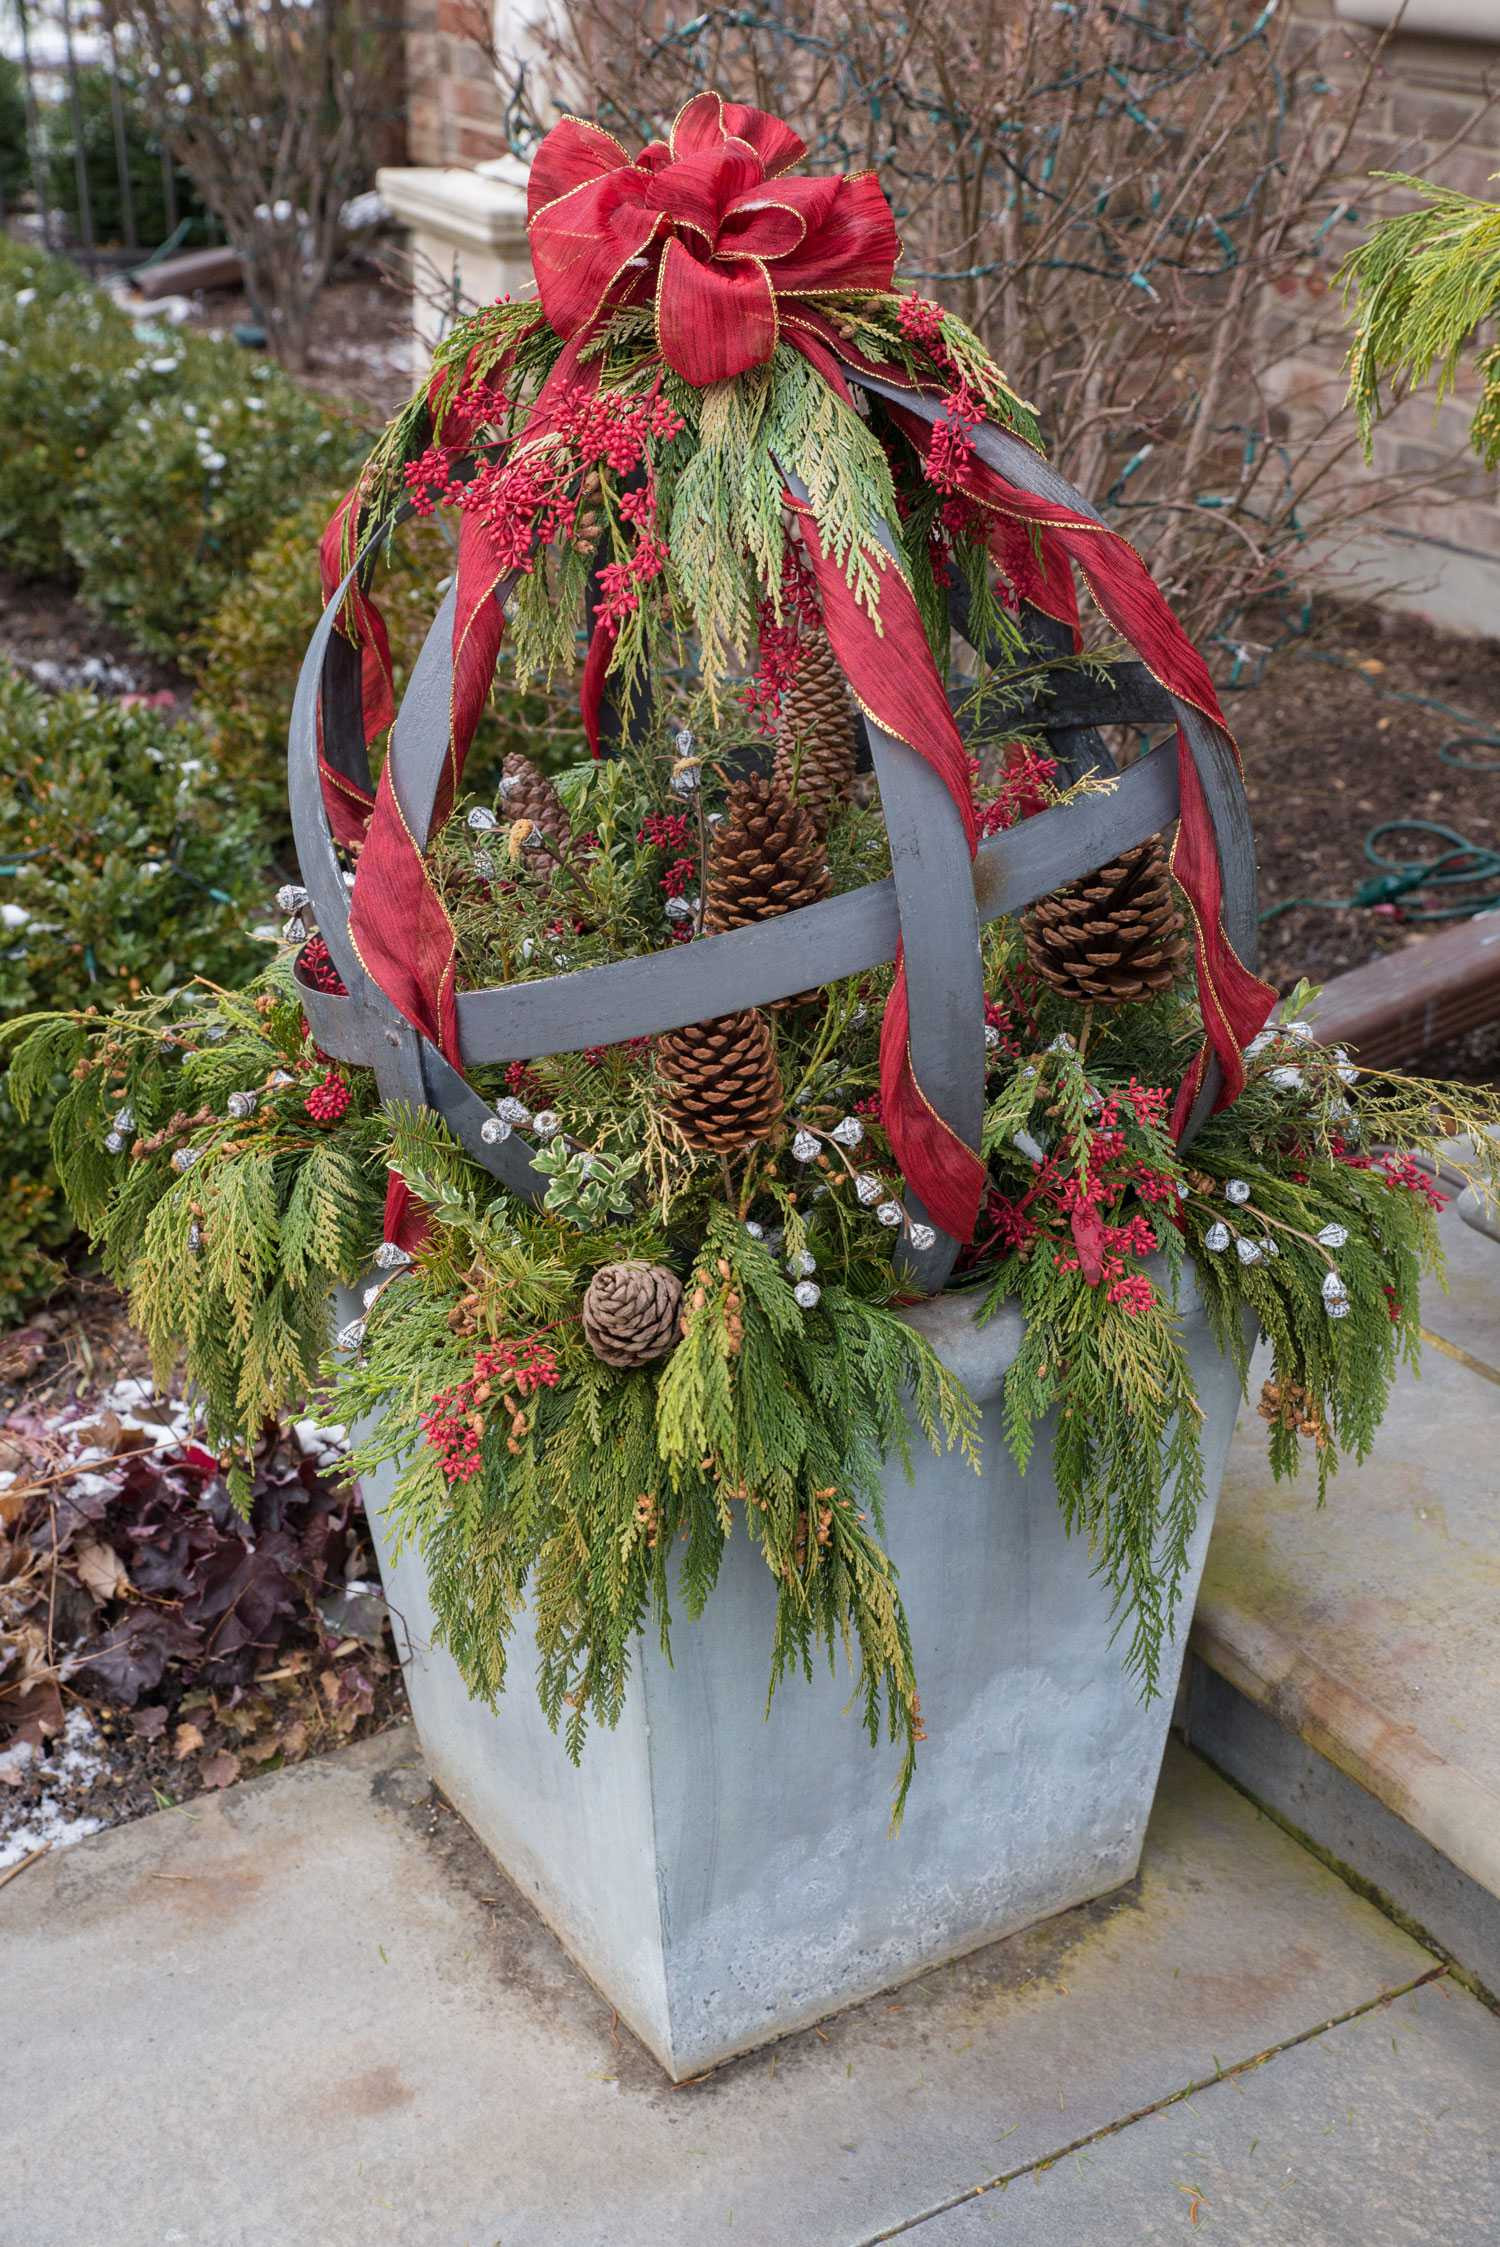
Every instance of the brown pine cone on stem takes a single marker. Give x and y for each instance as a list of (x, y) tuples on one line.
[(527, 793), (1114, 937), (723, 1085), (631, 1313), (814, 760)]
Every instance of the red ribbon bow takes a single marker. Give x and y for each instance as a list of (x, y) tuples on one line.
[(703, 224)]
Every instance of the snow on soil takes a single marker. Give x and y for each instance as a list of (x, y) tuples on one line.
[(74, 1763)]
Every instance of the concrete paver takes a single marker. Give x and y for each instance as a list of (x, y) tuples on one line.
[(1384, 2132), (288, 2016)]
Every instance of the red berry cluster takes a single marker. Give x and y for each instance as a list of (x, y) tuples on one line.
[(532, 497), (523, 1084), (1079, 1209), (950, 453), (329, 1098), (921, 322), (454, 1422), (317, 968), (780, 641), (1022, 791), (666, 830)]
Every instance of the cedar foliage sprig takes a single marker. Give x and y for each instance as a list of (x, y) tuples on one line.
[(715, 487), (1422, 286), (232, 1258), (1306, 1149)]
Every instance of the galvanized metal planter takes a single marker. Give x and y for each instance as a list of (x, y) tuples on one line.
[(722, 1878), (725, 1876)]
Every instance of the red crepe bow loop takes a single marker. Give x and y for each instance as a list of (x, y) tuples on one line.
[(705, 227)]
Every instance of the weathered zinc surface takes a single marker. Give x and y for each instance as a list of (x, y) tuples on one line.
[(726, 1878), (310, 2013)]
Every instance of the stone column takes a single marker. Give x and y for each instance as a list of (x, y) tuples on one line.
[(468, 238)]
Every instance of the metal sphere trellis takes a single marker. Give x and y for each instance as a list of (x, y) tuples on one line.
[(929, 911)]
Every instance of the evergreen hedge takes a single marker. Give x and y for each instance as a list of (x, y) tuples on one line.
[(122, 870)]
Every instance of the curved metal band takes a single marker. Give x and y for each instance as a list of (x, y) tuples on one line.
[(932, 890), (1211, 750)]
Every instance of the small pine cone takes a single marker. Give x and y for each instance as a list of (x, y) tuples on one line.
[(631, 1313), (815, 747), (765, 859), (1115, 936), (527, 793), (724, 1088)]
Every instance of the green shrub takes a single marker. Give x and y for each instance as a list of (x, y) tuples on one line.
[(165, 516), (120, 871), (252, 650), (71, 368)]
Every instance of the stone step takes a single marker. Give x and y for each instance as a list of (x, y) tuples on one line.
[(309, 2012), (1345, 1665)]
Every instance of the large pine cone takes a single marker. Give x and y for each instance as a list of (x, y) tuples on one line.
[(764, 860), (527, 793), (631, 1313), (814, 760), (724, 1088), (1114, 937)]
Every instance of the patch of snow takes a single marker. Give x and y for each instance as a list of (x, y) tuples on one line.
[(368, 209), (75, 1762), (14, 1761), (46, 1828), (129, 1391)]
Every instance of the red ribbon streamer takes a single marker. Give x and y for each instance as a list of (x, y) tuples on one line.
[(1234, 1002), (895, 681)]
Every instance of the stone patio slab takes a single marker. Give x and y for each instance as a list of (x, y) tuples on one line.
[(310, 2013), (1384, 2132), (1367, 1627)]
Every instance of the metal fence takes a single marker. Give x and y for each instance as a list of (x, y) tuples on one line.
[(81, 168)]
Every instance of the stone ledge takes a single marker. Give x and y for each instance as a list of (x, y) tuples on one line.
[(1448, 1806), (473, 208), (429, 2068), (1365, 1629)]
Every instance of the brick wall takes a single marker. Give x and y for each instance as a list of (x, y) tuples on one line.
[(454, 111), (1428, 95)]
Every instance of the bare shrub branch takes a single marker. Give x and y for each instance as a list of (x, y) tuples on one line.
[(273, 107), (1138, 208)]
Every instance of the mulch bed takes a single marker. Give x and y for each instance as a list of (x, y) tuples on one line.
[(1332, 749)]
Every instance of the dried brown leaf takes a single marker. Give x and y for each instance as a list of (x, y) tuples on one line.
[(101, 1572)]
